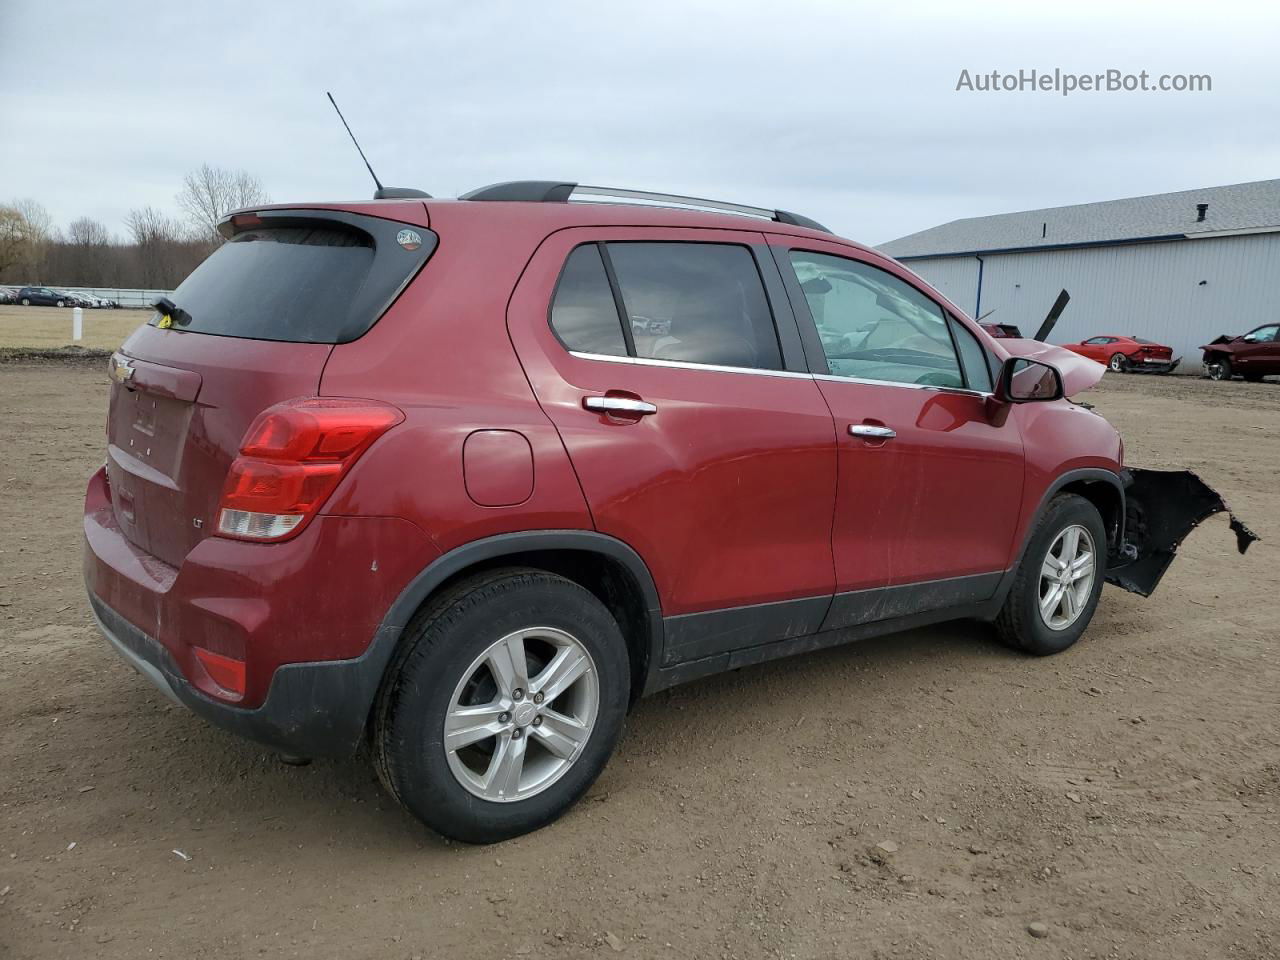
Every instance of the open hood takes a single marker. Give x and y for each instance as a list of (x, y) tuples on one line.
[(1078, 373)]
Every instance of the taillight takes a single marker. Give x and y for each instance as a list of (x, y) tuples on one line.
[(292, 458)]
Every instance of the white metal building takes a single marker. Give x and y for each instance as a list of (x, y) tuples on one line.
[(1179, 268)]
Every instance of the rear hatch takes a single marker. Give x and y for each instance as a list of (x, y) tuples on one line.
[(253, 325)]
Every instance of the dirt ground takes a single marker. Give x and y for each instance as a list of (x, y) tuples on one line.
[(46, 327), (1126, 794)]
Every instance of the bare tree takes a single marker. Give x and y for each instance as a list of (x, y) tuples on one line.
[(83, 256), (33, 229), (13, 237), (157, 239), (39, 223), (210, 193), (87, 232)]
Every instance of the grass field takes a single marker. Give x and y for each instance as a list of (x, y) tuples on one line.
[(46, 328)]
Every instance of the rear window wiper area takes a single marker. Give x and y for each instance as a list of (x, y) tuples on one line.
[(166, 308), (1161, 508)]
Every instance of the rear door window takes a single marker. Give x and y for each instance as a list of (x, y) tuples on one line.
[(301, 280), (696, 303)]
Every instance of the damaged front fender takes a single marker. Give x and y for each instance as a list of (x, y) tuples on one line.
[(1161, 508)]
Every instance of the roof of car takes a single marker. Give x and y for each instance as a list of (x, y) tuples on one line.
[(567, 214)]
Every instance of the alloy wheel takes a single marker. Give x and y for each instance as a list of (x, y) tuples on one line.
[(1066, 577), (521, 714), (1217, 370)]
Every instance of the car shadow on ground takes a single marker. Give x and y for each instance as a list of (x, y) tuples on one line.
[(189, 771)]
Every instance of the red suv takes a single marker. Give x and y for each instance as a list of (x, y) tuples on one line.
[(462, 479)]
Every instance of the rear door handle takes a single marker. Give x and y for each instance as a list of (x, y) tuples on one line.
[(872, 431), (619, 405)]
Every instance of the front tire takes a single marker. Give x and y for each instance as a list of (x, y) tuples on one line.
[(1218, 368), (504, 705), (1059, 579), (26, 302), (1119, 363)]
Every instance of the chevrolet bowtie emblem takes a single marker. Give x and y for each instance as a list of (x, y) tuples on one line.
[(120, 369)]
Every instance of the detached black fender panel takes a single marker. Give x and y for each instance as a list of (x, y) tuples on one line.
[(1161, 508)]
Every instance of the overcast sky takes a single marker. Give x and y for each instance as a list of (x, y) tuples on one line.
[(845, 112)]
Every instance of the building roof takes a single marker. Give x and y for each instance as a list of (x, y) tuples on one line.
[(1235, 208)]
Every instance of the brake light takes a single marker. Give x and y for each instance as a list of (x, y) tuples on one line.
[(292, 458)]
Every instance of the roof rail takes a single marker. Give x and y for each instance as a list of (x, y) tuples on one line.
[(556, 191)]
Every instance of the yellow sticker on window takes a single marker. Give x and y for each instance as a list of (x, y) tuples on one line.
[(165, 322)]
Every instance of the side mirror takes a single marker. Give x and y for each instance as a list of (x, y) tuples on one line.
[(1028, 381)]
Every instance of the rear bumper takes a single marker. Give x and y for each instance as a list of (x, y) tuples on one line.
[(311, 709), (1155, 365), (301, 615)]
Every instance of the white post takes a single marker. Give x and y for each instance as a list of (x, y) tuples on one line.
[(77, 323)]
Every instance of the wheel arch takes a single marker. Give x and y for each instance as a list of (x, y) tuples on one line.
[(1103, 488), (604, 565)]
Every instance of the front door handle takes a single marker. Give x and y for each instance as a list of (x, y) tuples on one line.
[(872, 431), (625, 405)]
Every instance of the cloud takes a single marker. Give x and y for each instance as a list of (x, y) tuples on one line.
[(846, 112)]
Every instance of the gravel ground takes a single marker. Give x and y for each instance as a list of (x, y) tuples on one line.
[(928, 794)]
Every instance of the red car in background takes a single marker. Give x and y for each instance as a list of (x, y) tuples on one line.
[(1126, 354), (1253, 356)]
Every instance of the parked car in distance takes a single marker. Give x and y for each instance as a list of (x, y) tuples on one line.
[(1002, 331), (93, 300), (44, 297), (1252, 356), (1124, 354), (661, 443), (8, 295)]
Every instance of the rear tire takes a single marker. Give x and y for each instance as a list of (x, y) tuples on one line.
[(446, 743), (1023, 622), (1119, 363)]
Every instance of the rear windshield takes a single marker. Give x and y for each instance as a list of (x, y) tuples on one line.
[(1140, 340), (303, 282)]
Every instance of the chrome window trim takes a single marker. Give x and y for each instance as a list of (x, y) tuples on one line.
[(965, 391), (689, 365), (793, 374)]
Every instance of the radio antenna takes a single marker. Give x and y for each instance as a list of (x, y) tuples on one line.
[(376, 181), (381, 193)]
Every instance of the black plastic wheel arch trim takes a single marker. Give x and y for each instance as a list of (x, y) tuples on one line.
[(460, 559)]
